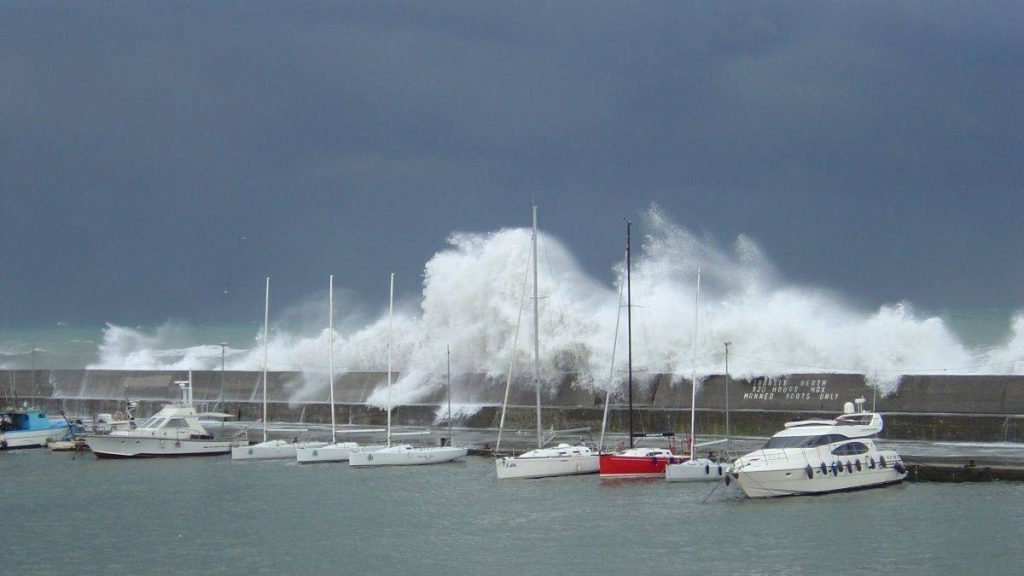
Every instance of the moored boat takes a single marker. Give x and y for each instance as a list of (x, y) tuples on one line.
[(637, 463), (634, 461), (821, 456), (562, 460), (403, 454), (30, 429), (173, 431)]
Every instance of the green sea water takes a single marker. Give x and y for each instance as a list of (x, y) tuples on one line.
[(74, 514)]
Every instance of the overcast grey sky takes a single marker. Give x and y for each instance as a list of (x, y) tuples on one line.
[(157, 154)]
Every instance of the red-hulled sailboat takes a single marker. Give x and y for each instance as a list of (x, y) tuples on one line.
[(635, 462)]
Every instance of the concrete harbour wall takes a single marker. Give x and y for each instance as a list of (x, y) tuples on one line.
[(957, 408)]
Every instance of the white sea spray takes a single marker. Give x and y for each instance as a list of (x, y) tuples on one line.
[(472, 302)]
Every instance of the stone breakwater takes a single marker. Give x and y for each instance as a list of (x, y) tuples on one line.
[(947, 408)]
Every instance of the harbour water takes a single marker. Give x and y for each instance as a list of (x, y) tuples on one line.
[(73, 514)]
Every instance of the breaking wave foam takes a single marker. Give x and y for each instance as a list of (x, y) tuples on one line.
[(473, 300)]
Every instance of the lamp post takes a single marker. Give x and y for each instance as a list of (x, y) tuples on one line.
[(727, 435)]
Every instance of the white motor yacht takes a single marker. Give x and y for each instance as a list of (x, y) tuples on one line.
[(173, 431), (820, 456)]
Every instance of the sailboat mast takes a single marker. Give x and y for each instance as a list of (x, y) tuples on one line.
[(266, 336), (629, 329), (330, 355), (391, 309), (693, 369), (536, 331), (448, 351)]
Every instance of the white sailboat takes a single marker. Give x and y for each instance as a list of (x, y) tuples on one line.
[(401, 454), (268, 449), (695, 469), (335, 451), (561, 460)]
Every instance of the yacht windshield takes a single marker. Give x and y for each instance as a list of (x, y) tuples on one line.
[(803, 441), (152, 422)]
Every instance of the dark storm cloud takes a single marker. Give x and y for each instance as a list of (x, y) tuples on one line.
[(156, 155)]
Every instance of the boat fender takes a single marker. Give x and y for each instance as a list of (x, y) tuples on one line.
[(177, 444), (899, 467), (849, 467), (871, 463), (824, 469), (707, 469), (881, 462), (810, 471), (835, 469), (719, 469), (728, 480), (857, 464)]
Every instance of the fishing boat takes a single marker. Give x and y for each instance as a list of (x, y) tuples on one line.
[(334, 451), (692, 468), (401, 454), (561, 460), (173, 431), (819, 457), (269, 449), (634, 461), (29, 428)]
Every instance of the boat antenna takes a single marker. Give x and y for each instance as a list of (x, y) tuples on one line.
[(391, 308), (693, 369), (629, 329), (536, 329), (330, 355), (266, 336)]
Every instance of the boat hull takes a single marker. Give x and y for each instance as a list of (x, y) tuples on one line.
[(795, 480), (31, 438), (330, 453), (630, 466), (405, 456), (108, 446), (512, 467), (272, 450), (696, 470)]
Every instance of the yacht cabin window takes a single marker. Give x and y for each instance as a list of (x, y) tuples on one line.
[(851, 449), (804, 441), (177, 423), (153, 422)]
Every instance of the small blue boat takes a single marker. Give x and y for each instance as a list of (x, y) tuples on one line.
[(29, 429)]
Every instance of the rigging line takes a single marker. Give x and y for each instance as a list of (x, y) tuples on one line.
[(611, 369), (573, 337), (512, 356)]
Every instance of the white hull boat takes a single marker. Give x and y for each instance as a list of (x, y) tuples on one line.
[(31, 438), (696, 470), (272, 450), (30, 429), (119, 445), (336, 452), (820, 456), (405, 455), (173, 431), (562, 460)]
